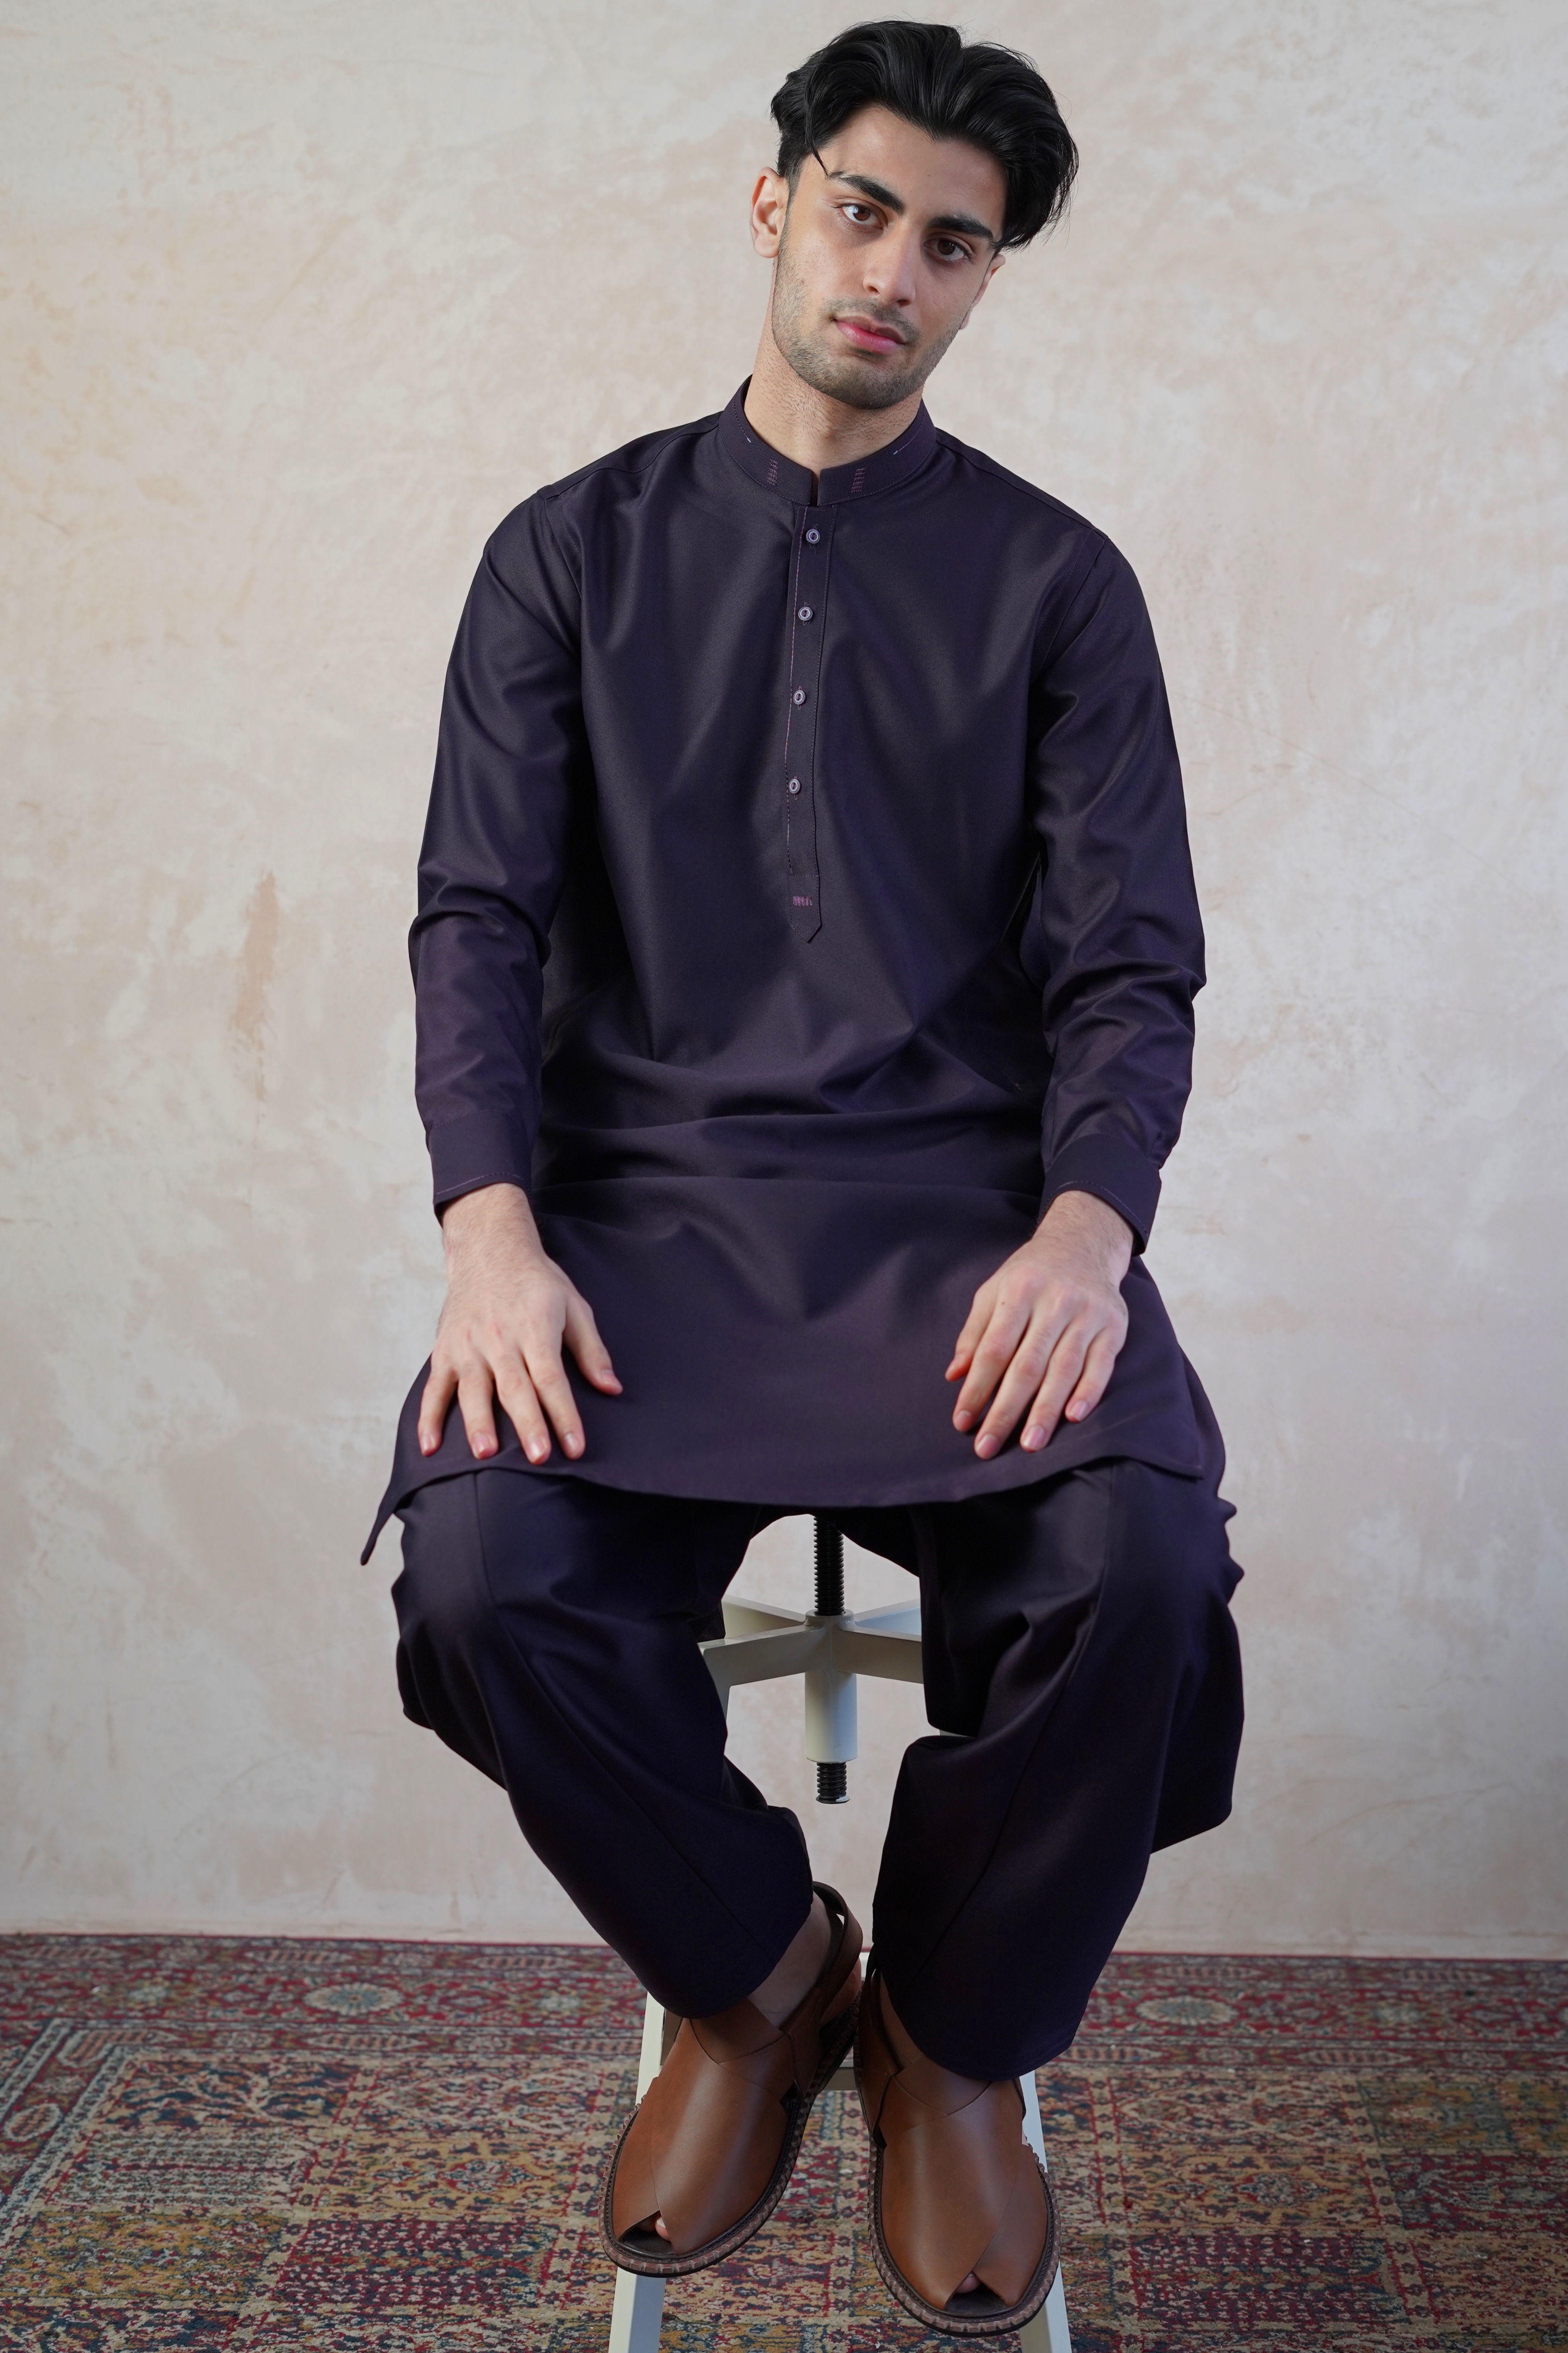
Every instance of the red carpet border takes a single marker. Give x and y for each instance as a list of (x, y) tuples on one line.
[(279, 2145)]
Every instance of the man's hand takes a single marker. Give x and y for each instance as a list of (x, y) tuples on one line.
[(507, 1309), (1047, 1327)]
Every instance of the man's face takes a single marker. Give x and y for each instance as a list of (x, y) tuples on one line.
[(881, 251)]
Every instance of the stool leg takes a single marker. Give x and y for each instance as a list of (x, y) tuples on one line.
[(650, 2056), (1047, 2332), (830, 1717), (638, 2314)]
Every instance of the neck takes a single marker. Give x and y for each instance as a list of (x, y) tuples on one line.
[(810, 426)]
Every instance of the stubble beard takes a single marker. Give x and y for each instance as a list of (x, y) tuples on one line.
[(842, 376)]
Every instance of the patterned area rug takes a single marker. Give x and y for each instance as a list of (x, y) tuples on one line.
[(332, 2146)]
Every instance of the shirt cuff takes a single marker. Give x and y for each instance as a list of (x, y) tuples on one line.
[(1114, 1173), (481, 1149)]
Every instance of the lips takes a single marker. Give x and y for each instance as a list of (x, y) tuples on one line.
[(870, 335)]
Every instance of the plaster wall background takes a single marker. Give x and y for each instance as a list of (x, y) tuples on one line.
[(296, 302)]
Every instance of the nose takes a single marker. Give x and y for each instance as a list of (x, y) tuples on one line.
[(890, 265)]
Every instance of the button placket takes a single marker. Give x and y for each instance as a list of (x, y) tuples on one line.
[(808, 602)]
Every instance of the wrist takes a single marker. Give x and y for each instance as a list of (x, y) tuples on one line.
[(1085, 1219), (492, 1213)]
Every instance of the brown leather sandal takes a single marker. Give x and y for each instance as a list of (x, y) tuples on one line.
[(955, 2188), (712, 2145)]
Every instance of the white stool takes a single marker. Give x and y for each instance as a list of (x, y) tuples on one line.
[(829, 1646)]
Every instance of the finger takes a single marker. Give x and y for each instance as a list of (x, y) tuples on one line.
[(439, 1390), (1062, 1374), (1034, 1366), (518, 1395), (989, 1357), (474, 1398), (1098, 1367), (583, 1339), (1004, 1336), (545, 1370), (974, 1324)]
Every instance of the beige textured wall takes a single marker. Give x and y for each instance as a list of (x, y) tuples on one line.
[(297, 301)]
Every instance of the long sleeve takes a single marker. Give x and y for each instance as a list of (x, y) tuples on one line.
[(1121, 935), (511, 763)]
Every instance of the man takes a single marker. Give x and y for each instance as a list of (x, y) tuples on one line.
[(805, 966)]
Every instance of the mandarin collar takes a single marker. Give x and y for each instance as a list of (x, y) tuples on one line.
[(880, 471)]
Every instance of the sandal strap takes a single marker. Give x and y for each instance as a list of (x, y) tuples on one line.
[(707, 2139), (959, 2190)]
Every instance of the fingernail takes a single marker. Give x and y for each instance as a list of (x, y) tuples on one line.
[(574, 1446), (1077, 1411), (963, 1418), (1034, 1438), (537, 1449), (426, 1446), (985, 1447)]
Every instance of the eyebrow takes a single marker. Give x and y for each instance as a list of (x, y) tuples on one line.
[(958, 223)]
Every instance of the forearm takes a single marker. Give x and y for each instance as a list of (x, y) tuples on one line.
[(477, 1054), (1111, 1118)]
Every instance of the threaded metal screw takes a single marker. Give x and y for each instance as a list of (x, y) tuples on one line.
[(828, 1546)]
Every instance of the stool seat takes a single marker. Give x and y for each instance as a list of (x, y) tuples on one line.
[(829, 1647)]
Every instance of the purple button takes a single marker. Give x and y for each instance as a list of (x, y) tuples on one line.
[(795, 783), (800, 694), (813, 536), (804, 614)]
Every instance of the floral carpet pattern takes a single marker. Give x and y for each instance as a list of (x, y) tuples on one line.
[(279, 2145)]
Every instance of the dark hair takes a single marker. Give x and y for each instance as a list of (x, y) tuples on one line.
[(995, 98)]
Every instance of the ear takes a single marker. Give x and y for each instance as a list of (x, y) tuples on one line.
[(992, 267), (770, 201)]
